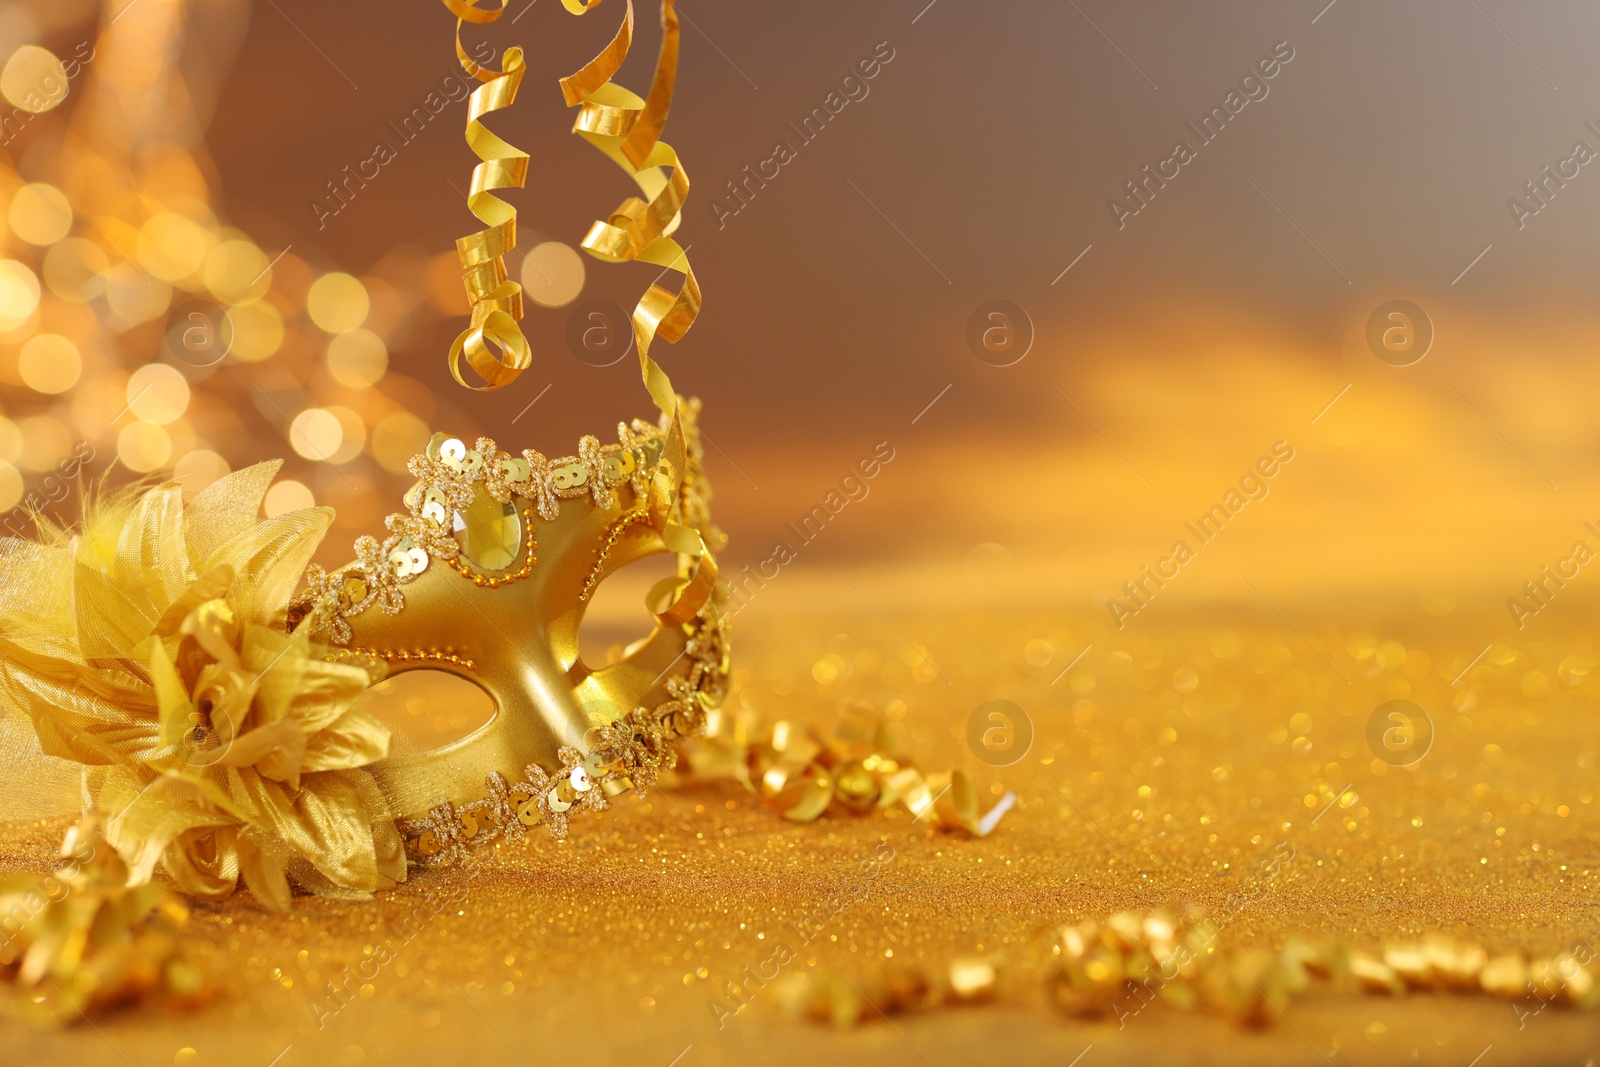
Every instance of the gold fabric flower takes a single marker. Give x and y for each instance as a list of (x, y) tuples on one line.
[(151, 646)]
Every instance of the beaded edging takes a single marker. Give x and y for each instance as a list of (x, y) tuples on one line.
[(447, 484), (629, 752)]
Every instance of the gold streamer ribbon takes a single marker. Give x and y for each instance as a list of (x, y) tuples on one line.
[(628, 130), (493, 345), (82, 941), (861, 767)]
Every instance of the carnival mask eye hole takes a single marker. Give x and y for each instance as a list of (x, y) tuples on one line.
[(427, 709), (615, 619)]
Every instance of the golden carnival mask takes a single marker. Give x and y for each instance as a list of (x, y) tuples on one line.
[(215, 712), (487, 575), (161, 643)]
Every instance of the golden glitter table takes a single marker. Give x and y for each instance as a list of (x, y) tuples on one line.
[(1165, 764)]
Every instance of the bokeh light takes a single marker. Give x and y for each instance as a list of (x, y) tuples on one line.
[(45, 440), (352, 434), (49, 363), (287, 495), (19, 294), (235, 270), (338, 302), (552, 274), (142, 447), (33, 79), (397, 437), (257, 330), (198, 469), (316, 434), (357, 359), (157, 394), (75, 269), (40, 214), (172, 247), (134, 297)]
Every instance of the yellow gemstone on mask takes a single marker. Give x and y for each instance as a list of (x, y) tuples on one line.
[(491, 532)]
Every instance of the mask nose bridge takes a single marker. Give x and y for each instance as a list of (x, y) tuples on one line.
[(512, 659), (534, 716), (544, 678), (642, 674), (525, 656)]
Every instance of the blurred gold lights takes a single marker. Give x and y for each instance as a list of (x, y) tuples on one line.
[(337, 303), (139, 329), (552, 274), (49, 363), (33, 79)]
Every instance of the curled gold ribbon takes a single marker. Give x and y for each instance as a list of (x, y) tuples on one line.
[(493, 344), (82, 940), (861, 767), (628, 130)]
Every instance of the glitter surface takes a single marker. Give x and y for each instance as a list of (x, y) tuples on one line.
[(1166, 765)]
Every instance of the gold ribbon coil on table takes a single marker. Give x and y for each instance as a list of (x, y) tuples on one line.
[(493, 344), (861, 767), (83, 940)]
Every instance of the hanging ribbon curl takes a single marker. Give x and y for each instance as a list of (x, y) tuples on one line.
[(493, 344), (628, 130)]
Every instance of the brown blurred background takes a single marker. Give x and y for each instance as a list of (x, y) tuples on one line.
[(977, 163), (1069, 391)]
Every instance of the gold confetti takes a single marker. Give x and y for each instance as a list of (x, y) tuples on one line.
[(88, 941), (863, 766)]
